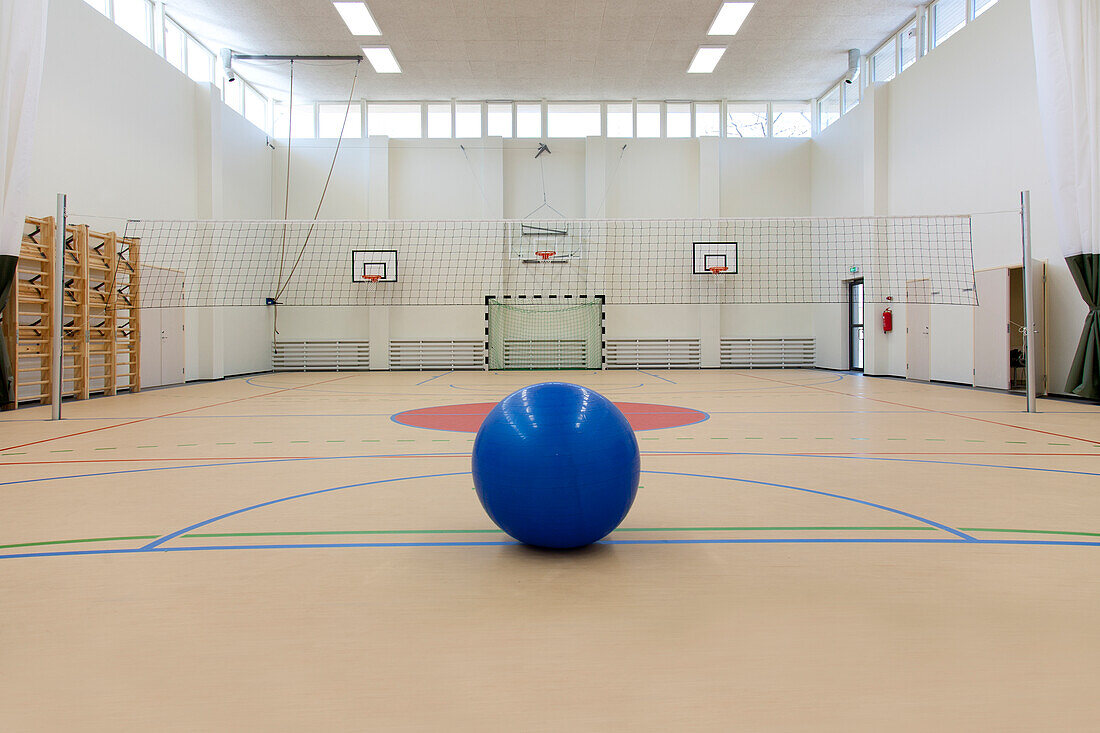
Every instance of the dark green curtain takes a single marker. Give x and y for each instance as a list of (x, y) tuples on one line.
[(7, 277), (1084, 372)]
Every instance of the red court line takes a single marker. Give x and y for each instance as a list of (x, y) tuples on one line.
[(466, 455), (924, 409), (170, 414)]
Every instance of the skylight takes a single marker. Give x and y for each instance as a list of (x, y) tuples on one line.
[(729, 19), (382, 59), (358, 19), (706, 58)]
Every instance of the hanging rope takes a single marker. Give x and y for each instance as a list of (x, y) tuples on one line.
[(324, 190), (286, 200)]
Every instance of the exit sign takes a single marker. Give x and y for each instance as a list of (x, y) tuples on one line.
[(853, 269)]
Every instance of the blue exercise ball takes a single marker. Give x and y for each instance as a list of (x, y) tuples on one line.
[(556, 465)]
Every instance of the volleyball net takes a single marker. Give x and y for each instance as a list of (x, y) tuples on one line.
[(627, 262)]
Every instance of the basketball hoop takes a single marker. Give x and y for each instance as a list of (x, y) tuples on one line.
[(717, 270), (373, 278), (545, 255)]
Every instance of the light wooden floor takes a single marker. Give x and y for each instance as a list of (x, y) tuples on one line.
[(826, 552)]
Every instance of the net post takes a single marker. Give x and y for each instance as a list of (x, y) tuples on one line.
[(1029, 302), (57, 290)]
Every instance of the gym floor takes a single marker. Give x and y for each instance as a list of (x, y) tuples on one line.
[(808, 550)]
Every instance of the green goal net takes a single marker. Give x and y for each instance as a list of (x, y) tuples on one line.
[(540, 333)]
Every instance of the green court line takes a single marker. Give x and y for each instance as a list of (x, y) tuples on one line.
[(106, 448), (147, 446), (214, 535), (1017, 442), (62, 450), (262, 442), (1033, 531), (22, 453), (90, 539), (299, 441), (182, 445)]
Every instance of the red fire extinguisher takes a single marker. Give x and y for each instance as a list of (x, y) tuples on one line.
[(887, 321)]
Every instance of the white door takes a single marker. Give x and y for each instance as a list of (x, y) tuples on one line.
[(150, 347), (918, 338), (991, 329), (171, 346)]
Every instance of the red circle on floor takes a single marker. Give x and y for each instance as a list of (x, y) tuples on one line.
[(468, 418)]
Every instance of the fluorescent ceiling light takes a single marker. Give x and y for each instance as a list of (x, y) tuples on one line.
[(358, 19), (729, 19), (706, 58), (382, 59)]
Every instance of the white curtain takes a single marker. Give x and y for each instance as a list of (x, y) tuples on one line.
[(22, 48), (1067, 64)]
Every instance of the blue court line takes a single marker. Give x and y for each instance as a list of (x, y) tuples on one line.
[(499, 543), (656, 375), (165, 538), (161, 540), (437, 376), (495, 391), (464, 455), (930, 522)]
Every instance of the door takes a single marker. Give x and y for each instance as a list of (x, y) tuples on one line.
[(992, 329), (171, 346), (918, 337), (855, 325)]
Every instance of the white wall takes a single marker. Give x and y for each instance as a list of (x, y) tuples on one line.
[(126, 135), (958, 132)]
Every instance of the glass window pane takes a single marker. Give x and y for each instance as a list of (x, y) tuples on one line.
[(620, 119), (173, 45), (133, 17), (980, 6), (499, 116), (439, 119), (255, 108), (708, 119), (529, 120), (851, 94), (791, 119), (331, 116), (467, 120), (233, 97), (828, 108), (573, 120), (948, 16), (393, 120), (678, 119), (200, 62), (884, 62), (649, 119), (908, 39), (301, 125), (100, 5), (745, 119)]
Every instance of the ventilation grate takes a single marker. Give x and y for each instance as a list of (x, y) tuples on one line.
[(429, 355), (321, 356), (774, 353), (653, 354)]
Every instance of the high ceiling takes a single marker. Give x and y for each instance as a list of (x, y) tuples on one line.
[(549, 49)]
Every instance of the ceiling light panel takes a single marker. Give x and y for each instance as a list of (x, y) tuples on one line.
[(358, 19), (382, 59), (729, 19), (706, 58)]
